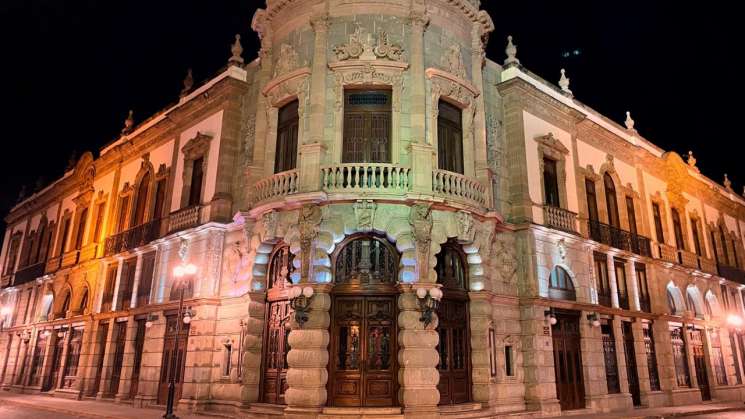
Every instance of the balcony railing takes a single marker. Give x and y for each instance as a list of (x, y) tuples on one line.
[(707, 265), (53, 264), (276, 186), (365, 177), (667, 253), (185, 218), (731, 273), (620, 239), (604, 300), (70, 258), (559, 218), (132, 238), (645, 305), (457, 187), (687, 259), (29, 273)]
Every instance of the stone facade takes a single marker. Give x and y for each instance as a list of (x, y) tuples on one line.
[(599, 272)]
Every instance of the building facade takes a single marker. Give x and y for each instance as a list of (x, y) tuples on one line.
[(383, 222)]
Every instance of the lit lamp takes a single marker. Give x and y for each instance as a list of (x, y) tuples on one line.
[(300, 299), (428, 300), (181, 274), (150, 319), (734, 320), (593, 319), (550, 318)]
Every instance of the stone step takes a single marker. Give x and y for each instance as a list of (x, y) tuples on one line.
[(361, 413)]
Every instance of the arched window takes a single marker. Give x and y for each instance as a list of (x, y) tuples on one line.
[(450, 267), (141, 204), (671, 302), (561, 285), (611, 201), (280, 267), (65, 306), (677, 229), (366, 260), (83, 301), (691, 305), (707, 307)]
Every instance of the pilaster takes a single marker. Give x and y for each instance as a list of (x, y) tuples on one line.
[(538, 361), (480, 311)]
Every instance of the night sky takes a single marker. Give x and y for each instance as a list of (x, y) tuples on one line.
[(72, 68)]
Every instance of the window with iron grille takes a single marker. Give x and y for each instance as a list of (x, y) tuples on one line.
[(654, 378), (680, 357), (609, 355)]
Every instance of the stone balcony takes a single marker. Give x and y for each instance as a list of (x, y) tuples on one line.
[(560, 218), (185, 218), (346, 181)]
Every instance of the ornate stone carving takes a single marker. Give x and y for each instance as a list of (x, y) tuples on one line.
[(506, 259), (691, 160), (511, 51), (270, 220), (197, 146), (562, 247), (554, 144), (309, 221), (248, 134), (453, 61), (360, 46), (420, 219), (128, 123), (364, 210), (236, 50), (629, 122), (727, 183), (368, 74), (235, 261), (564, 83), (287, 60), (465, 225), (183, 249), (320, 22), (353, 49)]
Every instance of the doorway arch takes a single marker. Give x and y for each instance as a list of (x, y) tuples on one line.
[(453, 313), (363, 346)]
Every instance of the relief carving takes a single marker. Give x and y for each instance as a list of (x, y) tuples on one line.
[(270, 220), (364, 210), (287, 61), (465, 225), (420, 219), (453, 61), (309, 221), (360, 46)]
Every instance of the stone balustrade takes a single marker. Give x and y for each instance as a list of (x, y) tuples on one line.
[(185, 218), (559, 218), (687, 259), (457, 187), (367, 177), (276, 186)]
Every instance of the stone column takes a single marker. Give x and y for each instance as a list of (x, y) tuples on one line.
[(308, 358), (198, 368), (417, 375), (665, 360), (593, 363), (119, 267), (63, 360), (108, 360), (422, 154), (480, 148), (612, 282), (8, 341), (88, 357), (632, 285), (253, 329), (161, 273), (480, 311), (136, 285), (538, 361), (642, 368)]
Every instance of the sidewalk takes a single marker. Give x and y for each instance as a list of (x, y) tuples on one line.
[(665, 412), (86, 408)]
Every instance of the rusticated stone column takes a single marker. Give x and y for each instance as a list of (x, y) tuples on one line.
[(480, 316), (308, 358), (253, 328), (417, 359)]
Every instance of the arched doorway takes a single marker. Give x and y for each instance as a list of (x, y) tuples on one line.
[(363, 349), (453, 326), (274, 361)]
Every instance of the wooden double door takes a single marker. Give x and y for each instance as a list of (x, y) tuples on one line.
[(276, 347), (696, 340), (173, 347), (568, 361), (363, 365), (453, 349)]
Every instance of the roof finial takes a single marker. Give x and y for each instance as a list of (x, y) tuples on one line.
[(511, 52), (188, 83), (727, 183), (237, 50), (691, 160), (629, 122), (564, 83), (128, 123)]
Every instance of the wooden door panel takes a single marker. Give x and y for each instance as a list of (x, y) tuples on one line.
[(173, 347), (454, 366), (568, 362)]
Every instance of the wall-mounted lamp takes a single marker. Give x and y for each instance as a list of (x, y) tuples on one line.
[(189, 315), (151, 318), (428, 300), (593, 319), (734, 320), (25, 336), (61, 333), (713, 332), (300, 299), (46, 333), (549, 316)]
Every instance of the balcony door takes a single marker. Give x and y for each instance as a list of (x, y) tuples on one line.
[(367, 126), (568, 360)]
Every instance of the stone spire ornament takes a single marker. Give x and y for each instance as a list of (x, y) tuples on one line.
[(237, 50), (691, 160), (727, 183), (129, 123), (629, 122), (564, 83), (188, 83), (511, 52)]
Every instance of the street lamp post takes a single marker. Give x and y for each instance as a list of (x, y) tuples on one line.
[(180, 273)]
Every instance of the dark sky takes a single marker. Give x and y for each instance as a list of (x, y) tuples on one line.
[(72, 68)]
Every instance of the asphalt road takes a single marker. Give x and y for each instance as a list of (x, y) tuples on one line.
[(18, 412)]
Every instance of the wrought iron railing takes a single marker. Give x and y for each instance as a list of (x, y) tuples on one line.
[(731, 273), (645, 305), (559, 218), (620, 239), (29, 273), (132, 238)]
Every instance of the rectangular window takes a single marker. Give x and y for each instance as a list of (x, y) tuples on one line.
[(100, 213), (733, 352), (160, 198), (592, 202), (195, 187), (725, 296), (734, 254), (678, 229), (601, 272), (285, 155), (508, 362), (10, 263), (80, 233), (65, 234), (609, 354), (108, 290), (449, 138), (126, 282), (367, 127), (680, 357), (623, 291), (723, 238), (658, 222), (123, 209), (717, 358), (641, 279), (654, 379), (227, 360), (713, 241), (146, 279), (696, 240), (550, 182), (492, 353), (632, 215), (28, 304)]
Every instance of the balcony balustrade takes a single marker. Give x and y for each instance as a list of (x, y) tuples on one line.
[(185, 218), (645, 305), (560, 218), (70, 258), (366, 177), (707, 265), (53, 264), (132, 238), (276, 186), (731, 273), (688, 259), (29, 273), (456, 187), (618, 238)]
